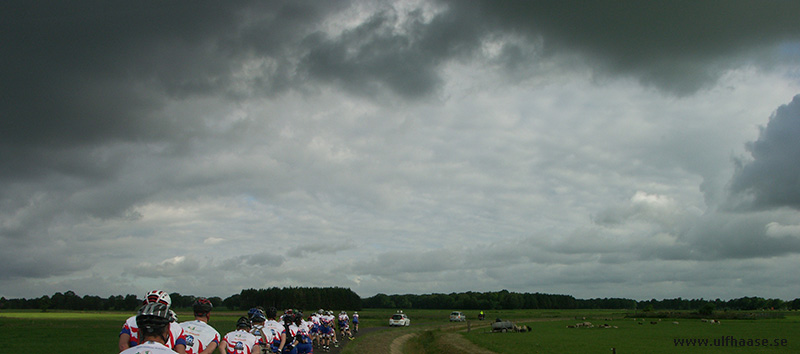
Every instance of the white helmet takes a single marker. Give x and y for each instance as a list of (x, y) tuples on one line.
[(158, 296)]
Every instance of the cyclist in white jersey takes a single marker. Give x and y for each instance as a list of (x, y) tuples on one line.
[(201, 338), (128, 336), (152, 323), (288, 335), (240, 341), (272, 330)]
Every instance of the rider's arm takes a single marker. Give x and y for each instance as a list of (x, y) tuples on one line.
[(283, 342), (124, 341), (222, 346), (210, 349)]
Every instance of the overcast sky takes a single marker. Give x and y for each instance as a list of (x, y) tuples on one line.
[(630, 149)]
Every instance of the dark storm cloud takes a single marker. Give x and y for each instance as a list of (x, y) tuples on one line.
[(85, 85), (772, 178), (93, 72), (72, 73), (679, 46), (376, 55), (101, 103)]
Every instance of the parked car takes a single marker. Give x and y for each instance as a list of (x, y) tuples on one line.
[(507, 326), (399, 319), (457, 316)]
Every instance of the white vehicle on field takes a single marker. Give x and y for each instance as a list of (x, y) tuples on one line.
[(457, 316), (399, 319)]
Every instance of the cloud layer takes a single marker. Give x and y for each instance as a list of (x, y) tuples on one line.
[(628, 149)]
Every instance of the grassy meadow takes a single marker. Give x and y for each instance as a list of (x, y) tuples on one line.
[(550, 333), (76, 332), (97, 332), (627, 335)]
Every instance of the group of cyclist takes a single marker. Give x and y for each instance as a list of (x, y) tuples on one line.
[(297, 333), (155, 330)]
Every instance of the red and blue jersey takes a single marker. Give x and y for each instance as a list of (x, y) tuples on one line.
[(199, 335), (176, 333), (239, 342), (150, 348), (272, 329)]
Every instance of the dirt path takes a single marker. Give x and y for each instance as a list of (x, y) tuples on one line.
[(451, 339), (343, 342), (459, 344), (455, 343), (397, 344)]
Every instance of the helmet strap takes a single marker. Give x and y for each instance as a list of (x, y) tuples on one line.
[(166, 340)]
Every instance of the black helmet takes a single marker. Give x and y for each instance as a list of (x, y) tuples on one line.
[(272, 312), (153, 318), (202, 306), (243, 322), (288, 318), (258, 317), (253, 311)]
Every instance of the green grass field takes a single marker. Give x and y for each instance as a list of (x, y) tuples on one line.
[(87, 332), (76, 332), (631, 337)]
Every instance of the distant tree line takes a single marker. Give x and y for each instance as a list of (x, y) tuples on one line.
[(510, 300), (281, 298), (300, 298), (71, 301), (743, 303), (336, 298), (473, 301)]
